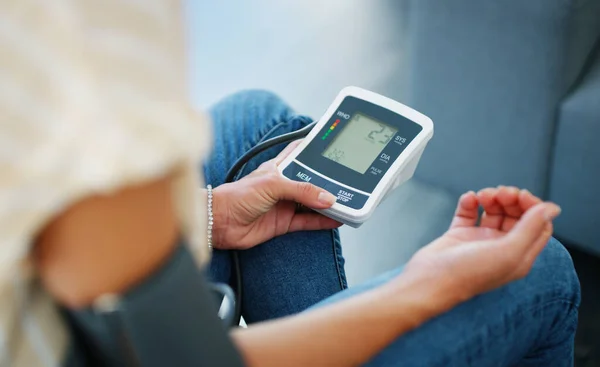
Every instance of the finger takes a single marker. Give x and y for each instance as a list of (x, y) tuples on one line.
[(301, 192), (527, 200), (493, 213), (312, 222), (538, 245), (532, 225), (286, 151), (508, 198), (466, 214), (529, 259)]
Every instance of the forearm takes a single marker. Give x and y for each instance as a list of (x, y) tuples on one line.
[(347, 333)]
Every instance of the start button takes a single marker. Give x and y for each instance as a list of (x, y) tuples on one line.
[(347, 197)]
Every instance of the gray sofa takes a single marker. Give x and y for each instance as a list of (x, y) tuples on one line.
[(513, 88)]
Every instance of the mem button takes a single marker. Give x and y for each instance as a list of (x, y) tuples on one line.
[(295, 172), (347, 197)]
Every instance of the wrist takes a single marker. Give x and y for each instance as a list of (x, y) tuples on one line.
[(220, 217), (424, 297)]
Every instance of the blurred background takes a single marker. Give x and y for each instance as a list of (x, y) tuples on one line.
[(513, 89)]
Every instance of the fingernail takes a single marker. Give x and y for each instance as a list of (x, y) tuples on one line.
[(326, 198), (551, 212)]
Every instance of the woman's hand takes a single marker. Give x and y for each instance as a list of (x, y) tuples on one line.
[(263, 205), (479, 254), (469, 259)]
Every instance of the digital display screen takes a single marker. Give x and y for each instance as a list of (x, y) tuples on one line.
[(359, 143)]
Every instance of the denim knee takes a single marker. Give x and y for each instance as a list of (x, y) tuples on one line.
[(252, 112), (554, 274), (240, 122)]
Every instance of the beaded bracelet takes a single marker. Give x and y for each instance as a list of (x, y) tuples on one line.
[(210, 215)]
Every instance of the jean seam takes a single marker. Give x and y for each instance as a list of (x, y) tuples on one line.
[(336, 243), (466, 345)]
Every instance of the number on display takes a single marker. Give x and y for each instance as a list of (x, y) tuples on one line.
[(336, 155), (387, 135)]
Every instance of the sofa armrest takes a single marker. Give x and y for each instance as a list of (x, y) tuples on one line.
[(575, 176)]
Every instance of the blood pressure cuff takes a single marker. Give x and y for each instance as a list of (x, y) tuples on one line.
[(168, 320)]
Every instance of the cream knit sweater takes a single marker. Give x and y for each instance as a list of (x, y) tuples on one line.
[(92, 98)]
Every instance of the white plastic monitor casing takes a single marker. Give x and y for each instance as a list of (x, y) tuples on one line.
[(400, 171)]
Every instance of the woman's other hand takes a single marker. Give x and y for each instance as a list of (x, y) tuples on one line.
[(480, 253), (263, 205)]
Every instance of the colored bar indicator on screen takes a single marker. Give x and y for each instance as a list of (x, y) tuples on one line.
[(331, 128)]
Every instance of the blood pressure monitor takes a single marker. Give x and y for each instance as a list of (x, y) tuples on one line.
[(363, 147)]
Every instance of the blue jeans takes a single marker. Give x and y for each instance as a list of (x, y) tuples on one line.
[(530, 322)]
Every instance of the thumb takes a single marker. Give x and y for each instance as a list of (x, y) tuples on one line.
[(533, 224), (303, 192)]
